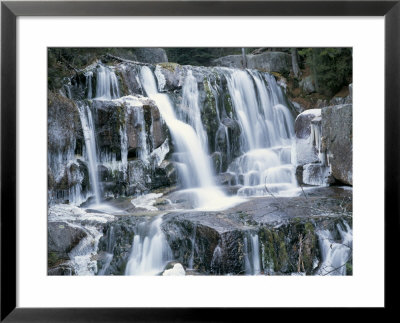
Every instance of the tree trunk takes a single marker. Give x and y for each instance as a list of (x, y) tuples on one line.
[(314, 68), (295, 64), (244, 58)]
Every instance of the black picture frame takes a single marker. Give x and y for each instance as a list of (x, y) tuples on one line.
[(10, 10)]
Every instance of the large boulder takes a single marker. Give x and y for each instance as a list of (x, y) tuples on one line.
[(151, 55), (278, 62), (62, 238), (169, 76), (307, 85), (337, 129)]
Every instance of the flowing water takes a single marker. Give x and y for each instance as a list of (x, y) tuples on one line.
[(195, 167), (335, 252), (266, 137), (262, 165), (150, 250), (90, 144)]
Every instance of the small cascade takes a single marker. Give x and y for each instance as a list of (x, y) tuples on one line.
[(83, 257), (124, 150), (109, 252), (335, 253), (107, 84), (90, 145), (89, 76), (193, 242), (150, 250), (252, 254), (216, 262), (139, 123)]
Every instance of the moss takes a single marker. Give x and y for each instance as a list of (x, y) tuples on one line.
[(53, 259), (349, 269), (122, 84), (228, 104), (169, 66)]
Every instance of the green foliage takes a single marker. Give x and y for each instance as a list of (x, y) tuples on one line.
[(199, 56), (331, 67)]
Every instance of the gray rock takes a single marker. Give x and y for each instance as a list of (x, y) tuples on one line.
[(317, 174), (170, 76), (306, 145), (62, 238), (337, 129), (235, 61), (307, 85), (151, 55), (269, 62)]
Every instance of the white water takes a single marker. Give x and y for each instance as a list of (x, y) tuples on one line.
[(107, 84), (190, 101), (150, 251), (335, 254), (267, 134), (82, 256), (252, 255), (197, 173), (90, 144)]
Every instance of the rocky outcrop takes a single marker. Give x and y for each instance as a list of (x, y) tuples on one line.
[(306, 137), (310, 152), (278, 62), (63, 238), (324, 145), (337, 129), (64, 142), (307, 85), (151, 55), (268, 236)]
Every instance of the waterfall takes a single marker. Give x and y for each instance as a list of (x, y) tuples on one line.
[(90, 144), (190, 101), (252, 254), (150, 250), (335, 253), (89, 76), (266, 137), (107, 84), (193, 161)]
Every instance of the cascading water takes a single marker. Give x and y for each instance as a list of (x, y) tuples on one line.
[(335, 253), (193, 242), (195, 164), (90, 141), (267, 132), (252, 255), (190, 101), (150, 251), (107, 84)]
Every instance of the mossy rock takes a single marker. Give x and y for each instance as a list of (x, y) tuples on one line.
[(169, 66)]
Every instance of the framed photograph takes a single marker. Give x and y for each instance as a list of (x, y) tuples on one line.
[(184, 160)]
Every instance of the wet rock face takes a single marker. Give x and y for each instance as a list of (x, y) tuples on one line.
[(169, 76), (117, 241), (337, 127), (306, 150), (65, 140), (219, 243), (62, 239)]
